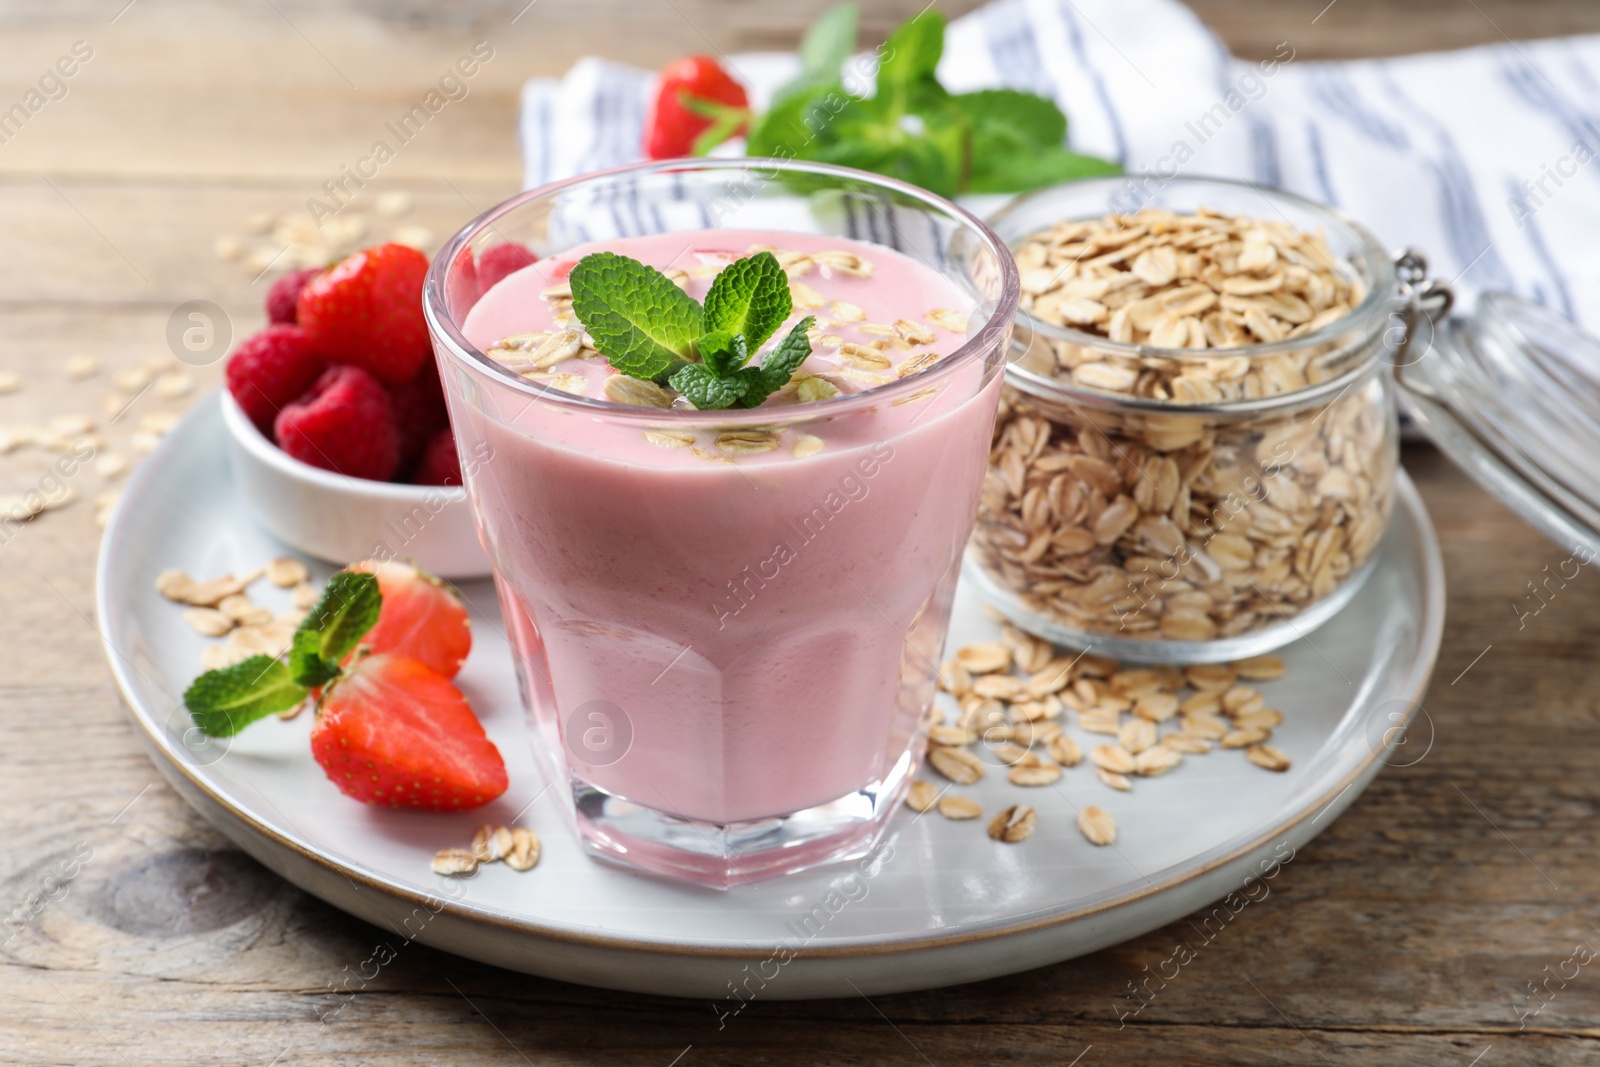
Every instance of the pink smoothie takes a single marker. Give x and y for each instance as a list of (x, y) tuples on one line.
[(766, 622)]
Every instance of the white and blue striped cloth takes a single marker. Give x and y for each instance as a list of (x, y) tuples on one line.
[(1482, 158)]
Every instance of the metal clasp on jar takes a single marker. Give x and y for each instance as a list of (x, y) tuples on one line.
[(1423, 302)]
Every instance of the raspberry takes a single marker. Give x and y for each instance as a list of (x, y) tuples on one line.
[(285, 293), (419, 412), (344, 423), (271, 369), (497, 262), (367, 311), (440, 465)]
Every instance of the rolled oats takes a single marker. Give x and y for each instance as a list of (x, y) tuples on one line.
[(956, 764), (208, 621), (922, 795), (984, 658), (286, 572), (1261, 668), (455, 861), (1243, 738), (960, 807), (524, 854), (621, 389), (747, 442), (1116, 781), (1097, 825), (491, 843), (1065, 751), (1185, 525), (1034, 773), (1014, 824), (1267, 757)]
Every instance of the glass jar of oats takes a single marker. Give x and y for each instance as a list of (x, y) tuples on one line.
[(1195, 454)]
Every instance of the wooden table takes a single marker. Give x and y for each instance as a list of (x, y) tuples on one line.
[(1410, 932)]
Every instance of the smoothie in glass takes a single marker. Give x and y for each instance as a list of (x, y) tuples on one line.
[(728, 622)]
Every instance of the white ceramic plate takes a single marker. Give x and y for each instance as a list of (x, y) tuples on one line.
[(943, 904)]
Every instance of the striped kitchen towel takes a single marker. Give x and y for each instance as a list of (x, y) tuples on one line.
[(1483, 158)]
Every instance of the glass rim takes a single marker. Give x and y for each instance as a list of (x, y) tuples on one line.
[(443, 326), (1380, 293)]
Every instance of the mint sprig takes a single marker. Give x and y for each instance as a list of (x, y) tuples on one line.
[(749, 297), (224, 701), (910, 126), (639, 320), (702, 352)]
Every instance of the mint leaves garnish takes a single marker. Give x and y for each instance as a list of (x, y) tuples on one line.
[(647, 332), (224, 701), (347, 609), (639, 320), (911, 127), (750, 297)]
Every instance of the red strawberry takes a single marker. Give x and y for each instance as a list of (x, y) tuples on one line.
[(503, 259), (440, 464), (344, 423), (421, 617), (419, 412), (271, 369), (367, 310), (672, 127), (392, 731), (285, 294)]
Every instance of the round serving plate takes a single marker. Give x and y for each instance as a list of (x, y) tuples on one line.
[(938, 903)]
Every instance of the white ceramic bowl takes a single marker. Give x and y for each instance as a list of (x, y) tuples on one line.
[(342, 519)]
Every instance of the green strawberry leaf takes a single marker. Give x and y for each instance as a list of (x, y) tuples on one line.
[(749, 296), (706, 389), (723, 352), (640, 321), (225, 701), (777, 366), (725, 121), (331, 630)]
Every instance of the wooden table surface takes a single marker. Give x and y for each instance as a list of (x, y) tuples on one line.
[(1411, 932)]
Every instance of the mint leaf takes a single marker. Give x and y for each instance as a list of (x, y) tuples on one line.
[(225, 701), (912, 128), (828, 43), (723, 352), (1018, 118), (749, 296), (777, 366), (911, 54), (1016, 173), (347, 610), (640, 321), (706, 389), (797, 126)]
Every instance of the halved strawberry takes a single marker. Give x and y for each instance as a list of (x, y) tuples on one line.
[(421, 617), (393, 731)]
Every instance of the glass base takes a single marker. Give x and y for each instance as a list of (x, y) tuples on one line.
[(1157, 650), (722, 856)]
